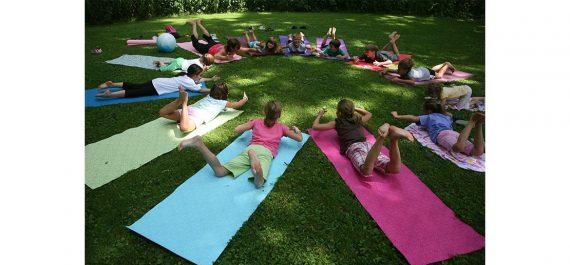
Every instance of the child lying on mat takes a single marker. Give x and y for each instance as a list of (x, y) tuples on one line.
[(203, 111), (409, 75), (266, 136), (263, 47), (296, 44), (215, 48), (365, 156), (190, 80), (439, 127), (384, 57), (332, 49), (183, 64), (462, 93)]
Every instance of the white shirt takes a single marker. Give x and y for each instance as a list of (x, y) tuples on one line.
[(208, 108), (419, 74), (187, 63), (168, 85)]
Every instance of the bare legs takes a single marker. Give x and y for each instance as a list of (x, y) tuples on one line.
[(198, 144), (170, 111), (324, 43), (391, 45), (441, 69), (476, 121), (394, 133), (107, 93), (256, 169), (199, 22)]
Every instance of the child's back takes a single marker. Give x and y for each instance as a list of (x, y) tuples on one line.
[(269, 137), (349, 132)]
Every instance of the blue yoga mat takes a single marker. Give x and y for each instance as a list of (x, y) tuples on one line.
[(201, 216), (92, 101)]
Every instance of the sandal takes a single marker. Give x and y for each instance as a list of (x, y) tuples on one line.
[(96, 51)]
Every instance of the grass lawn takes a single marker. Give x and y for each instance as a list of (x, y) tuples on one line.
[(310, 216)]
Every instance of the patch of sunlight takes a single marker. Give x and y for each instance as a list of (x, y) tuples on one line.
[(316, 255), (405, 92), (272, 236), (469, 82), (350, 19)]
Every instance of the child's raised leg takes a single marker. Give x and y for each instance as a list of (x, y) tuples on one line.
[(202, 28), (186, 124), (479, 140), (441, 69), (194, 30), (325, 38), (197, 143), (256, 168), (372, 155), (110, 84), (333, 32), (463, 139), (253, 35), (247, 39), (395, 134), (170, 111)]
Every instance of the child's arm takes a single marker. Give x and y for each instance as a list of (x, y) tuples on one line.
[(403, 81), (206, 79), (366, 115), (317, 125), (410, 118), (443, 103), (204, 90), (243, 127), (294, 134), (237, 105)]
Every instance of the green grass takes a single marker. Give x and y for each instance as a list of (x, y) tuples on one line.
[(310, 216)]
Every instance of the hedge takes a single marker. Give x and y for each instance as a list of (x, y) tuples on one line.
[(109, 11)]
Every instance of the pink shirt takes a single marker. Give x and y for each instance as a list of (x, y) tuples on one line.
[(269, 137)]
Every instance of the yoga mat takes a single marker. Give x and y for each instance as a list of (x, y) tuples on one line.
[(189, 47), (461, 160), (447, 77), (369, 66), (283, 42), (112, 157), (92, 101), (417, 222), (141, 61), (201, 216), (244, 44), (342, 47), (452, 103), (142, 42)]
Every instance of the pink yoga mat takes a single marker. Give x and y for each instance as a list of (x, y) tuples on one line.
[(189, 47), (448, 77), (417, 222), (369, 66), (342, 45), (141, 42)]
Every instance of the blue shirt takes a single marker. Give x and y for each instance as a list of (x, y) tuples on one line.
[(436, 123)]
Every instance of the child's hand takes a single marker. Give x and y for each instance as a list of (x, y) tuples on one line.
[(377, 63), (394, 114), (296, 130), (215, 78), (355, 58), (322, 112), (245, 98)]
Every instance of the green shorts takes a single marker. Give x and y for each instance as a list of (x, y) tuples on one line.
[(176, 64), (240, 164)]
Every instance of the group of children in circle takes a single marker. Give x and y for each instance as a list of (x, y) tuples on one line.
[(268, 131)]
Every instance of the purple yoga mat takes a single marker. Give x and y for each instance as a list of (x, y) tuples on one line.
[(417, 222), (448, 77), (342, 46), (283, 42)]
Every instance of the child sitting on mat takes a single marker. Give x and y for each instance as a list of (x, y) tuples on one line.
[(409, 75), (263, 47), (365, 156), (384, 57), (332, 49), (296, 44), (266, 136), (183, 64), (439, 127), (203, 111), (462, 93), (158, 86), (215, 48)]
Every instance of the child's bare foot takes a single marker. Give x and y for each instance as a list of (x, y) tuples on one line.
[(256, 168), (192, 142), (399, 133), (200, 21), (334, 31), (105, 85), (384, 130), (329, 32), (451, 67), (391, 35), (106, 94)]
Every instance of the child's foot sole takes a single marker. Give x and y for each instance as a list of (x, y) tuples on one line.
[(399, 133)]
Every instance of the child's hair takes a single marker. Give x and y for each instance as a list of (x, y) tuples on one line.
[(335, 43), (232, 45), (404, 66), (271, 50), (191, 71), (345, 110), (208, 59), (371, 47), (434, 91), (432, 106), (219, 91), (272, 112)]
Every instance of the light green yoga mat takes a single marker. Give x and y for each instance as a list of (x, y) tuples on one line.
[(110, 158)]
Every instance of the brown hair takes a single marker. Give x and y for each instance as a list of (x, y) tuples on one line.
[(434, 91), (219, 91), (192, 70), (345, 110), (335, 43), (432, 106), (232, 45), (272, 112), (404, 66), (208, 59), (371, 47), (275, 46)]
